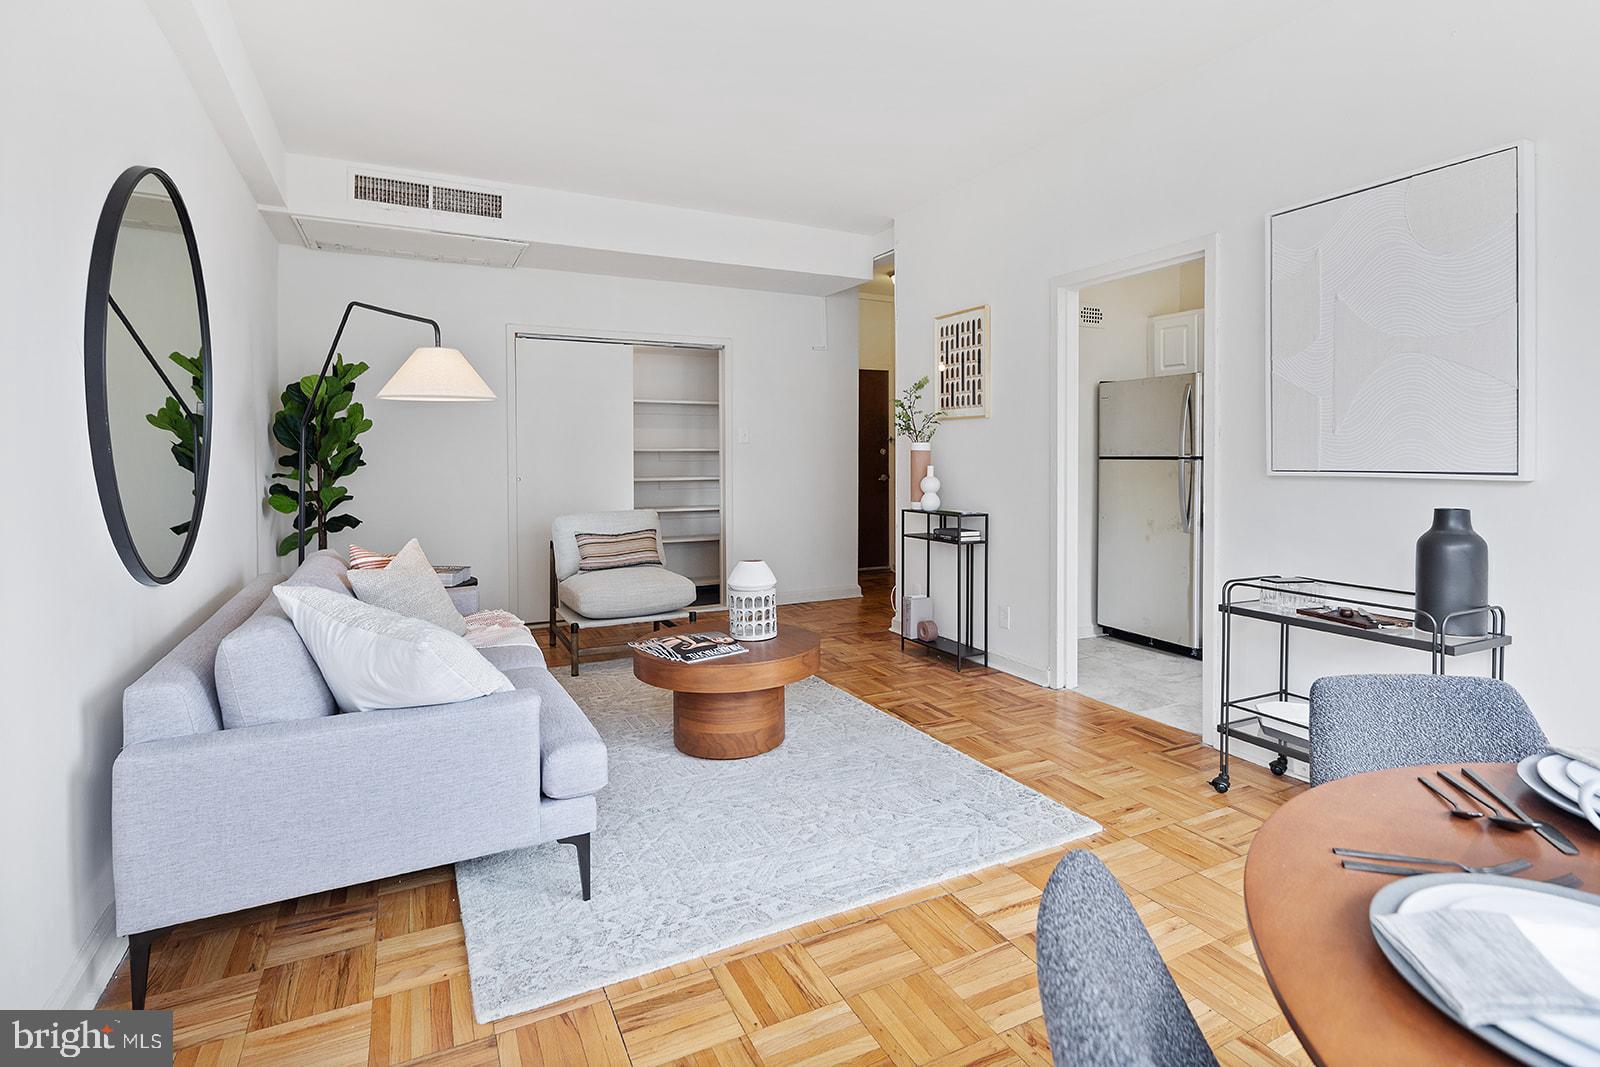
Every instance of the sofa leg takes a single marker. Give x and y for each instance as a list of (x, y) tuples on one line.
[(581, 843), (139, 965), (694, 616), (576, 649)]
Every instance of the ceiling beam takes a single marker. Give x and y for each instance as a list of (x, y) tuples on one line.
[(206, 41)]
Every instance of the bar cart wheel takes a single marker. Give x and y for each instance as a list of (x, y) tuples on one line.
[(1220, 782), (1279, 765)]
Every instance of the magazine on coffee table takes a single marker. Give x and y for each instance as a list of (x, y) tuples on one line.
[(690, 648)]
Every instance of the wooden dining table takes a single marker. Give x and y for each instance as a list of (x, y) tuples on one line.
[(1308, 915)]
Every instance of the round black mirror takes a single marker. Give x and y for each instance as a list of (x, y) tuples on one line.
[(147, 374)]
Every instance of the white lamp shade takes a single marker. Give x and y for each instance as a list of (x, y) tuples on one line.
[(436, 374)]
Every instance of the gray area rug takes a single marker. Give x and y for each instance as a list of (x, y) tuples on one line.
[(692, 856)]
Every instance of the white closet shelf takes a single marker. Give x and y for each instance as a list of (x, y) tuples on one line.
[(701, 451), (683, 478), (705, 579), (691, 539), (685, 403), (682, 510)]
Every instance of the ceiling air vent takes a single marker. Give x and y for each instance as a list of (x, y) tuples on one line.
[(466, 202), (394, 191), (1091, 318)]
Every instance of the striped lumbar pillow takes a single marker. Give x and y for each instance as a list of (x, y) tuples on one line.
[(364, 559), (602, 552)]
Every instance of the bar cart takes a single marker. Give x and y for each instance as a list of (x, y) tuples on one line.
[(1278, 599), (952, 530)]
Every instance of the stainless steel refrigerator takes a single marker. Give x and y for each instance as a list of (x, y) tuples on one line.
[(1148, 543)]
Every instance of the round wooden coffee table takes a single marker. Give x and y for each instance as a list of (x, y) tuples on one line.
[(731, 708)]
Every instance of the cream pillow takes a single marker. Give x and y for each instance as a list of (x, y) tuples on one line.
[(410, 586), (373, 658)]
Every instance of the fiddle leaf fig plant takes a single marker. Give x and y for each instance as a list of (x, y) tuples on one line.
[(332, 454), (184, 426), (911, 422)]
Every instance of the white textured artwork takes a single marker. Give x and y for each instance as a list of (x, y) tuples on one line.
[(1395, 327)]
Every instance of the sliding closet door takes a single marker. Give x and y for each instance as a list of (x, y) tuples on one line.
[(573, 451)]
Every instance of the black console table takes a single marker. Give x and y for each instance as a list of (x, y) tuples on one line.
[(1243, 721), (949, 531)]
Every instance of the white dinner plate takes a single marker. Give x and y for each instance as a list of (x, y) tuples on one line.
[(1572, 1039), (1528, 771), (1580, 773), (1554, 772)]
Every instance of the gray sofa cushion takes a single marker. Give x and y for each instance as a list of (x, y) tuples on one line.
[(325, 568), (178, 696), (626, 592), (572, 758), (513, 657), (265, 674)]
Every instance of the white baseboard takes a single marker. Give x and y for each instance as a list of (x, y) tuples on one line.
[(806, 596), (96, 962)]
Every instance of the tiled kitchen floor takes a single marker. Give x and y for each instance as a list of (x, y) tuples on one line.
[(1163, 686)]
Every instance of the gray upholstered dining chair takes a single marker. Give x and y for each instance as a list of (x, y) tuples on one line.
[(1108, 998), (1371, 722)]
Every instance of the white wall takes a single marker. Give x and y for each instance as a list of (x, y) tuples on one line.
[(1278, 121), (439, 471), (1116, 352), (85, 91)]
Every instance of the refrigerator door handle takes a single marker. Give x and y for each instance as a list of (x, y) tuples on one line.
[(1186, 429), (1185, 517)]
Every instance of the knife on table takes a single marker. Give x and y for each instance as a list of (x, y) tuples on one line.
[(1543, 829)]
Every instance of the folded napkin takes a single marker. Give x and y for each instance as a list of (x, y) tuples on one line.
[(1488, 967), (1591, 756)]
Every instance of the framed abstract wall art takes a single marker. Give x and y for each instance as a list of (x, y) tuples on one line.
[(1400, 326), (961, 353)]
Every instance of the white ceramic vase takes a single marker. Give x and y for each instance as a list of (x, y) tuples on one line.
[(752, 601), (930, 491)]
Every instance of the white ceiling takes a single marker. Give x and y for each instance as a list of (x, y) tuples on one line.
[(829, 113)]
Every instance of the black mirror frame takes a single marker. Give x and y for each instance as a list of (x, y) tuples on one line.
[(94, 374)]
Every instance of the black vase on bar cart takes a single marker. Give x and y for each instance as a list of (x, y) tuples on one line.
[(1452, 575)]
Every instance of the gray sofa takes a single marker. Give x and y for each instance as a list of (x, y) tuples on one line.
[(239, 783)]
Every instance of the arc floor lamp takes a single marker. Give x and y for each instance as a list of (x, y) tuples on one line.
[(429, 374)]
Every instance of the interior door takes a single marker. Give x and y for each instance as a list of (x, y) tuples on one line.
[(573, 451), (874, 465)]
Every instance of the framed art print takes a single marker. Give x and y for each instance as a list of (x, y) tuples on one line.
[(961, 357), (1400, 326)]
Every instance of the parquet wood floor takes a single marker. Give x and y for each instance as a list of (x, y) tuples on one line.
[(376, 974)]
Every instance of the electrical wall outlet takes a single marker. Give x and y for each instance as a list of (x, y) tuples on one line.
[(1005, 617)]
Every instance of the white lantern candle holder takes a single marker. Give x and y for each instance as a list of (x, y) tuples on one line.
[(752, 601)]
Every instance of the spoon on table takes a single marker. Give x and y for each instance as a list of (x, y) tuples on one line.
[(1455, 809), (1494, 815)]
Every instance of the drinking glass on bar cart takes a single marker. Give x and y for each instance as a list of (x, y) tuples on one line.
[(1288, 595)]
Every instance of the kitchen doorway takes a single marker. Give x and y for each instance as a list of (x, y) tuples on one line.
[(1134, 530)]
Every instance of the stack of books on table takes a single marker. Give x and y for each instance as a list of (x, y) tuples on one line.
[(690, 648), (453, 574), (956, 534)]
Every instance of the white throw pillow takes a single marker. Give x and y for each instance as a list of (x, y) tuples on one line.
[(374, 658), (411, 586)]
